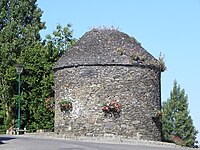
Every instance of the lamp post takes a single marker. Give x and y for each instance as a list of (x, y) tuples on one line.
[(19, 69)]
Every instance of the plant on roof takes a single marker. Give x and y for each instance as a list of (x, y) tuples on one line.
[(120, 51), (138, 58), (143, 58), (135, 57), (161, 60), (105, 28)]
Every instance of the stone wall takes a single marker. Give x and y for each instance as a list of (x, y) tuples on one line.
[(136, 86)]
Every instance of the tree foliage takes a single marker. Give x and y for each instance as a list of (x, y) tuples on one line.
[(20, 42), (176, 119), (61, 39), (19, 28)]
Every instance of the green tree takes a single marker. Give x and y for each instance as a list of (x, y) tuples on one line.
[(176, 119), (37, 85), (20, 42), (60, 41), (19, 28), (38, 80)]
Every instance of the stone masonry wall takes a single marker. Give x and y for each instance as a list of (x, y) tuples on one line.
[(137, 87)]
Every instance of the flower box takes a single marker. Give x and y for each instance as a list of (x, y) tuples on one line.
[(65, 105), (112, 108)]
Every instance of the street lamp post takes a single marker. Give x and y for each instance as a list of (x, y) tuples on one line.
[(19, 69)]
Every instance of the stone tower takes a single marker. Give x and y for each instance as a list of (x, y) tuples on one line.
[(108, 67)]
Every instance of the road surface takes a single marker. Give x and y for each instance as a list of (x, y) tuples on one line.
[(21, 142)]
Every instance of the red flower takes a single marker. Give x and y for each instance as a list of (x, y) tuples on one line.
[(112, 106)]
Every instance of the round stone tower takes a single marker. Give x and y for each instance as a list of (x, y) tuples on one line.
[(113, 85)]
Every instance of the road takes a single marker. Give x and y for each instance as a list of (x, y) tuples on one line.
[(21, 142)]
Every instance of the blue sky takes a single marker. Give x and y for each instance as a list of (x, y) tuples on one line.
[(168, 26)]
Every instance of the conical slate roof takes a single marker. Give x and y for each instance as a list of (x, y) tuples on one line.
[(106, 46)]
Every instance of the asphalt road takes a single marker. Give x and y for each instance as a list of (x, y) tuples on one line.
[(41, 143)]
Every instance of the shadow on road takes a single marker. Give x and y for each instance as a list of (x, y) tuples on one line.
[(4, 138)]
